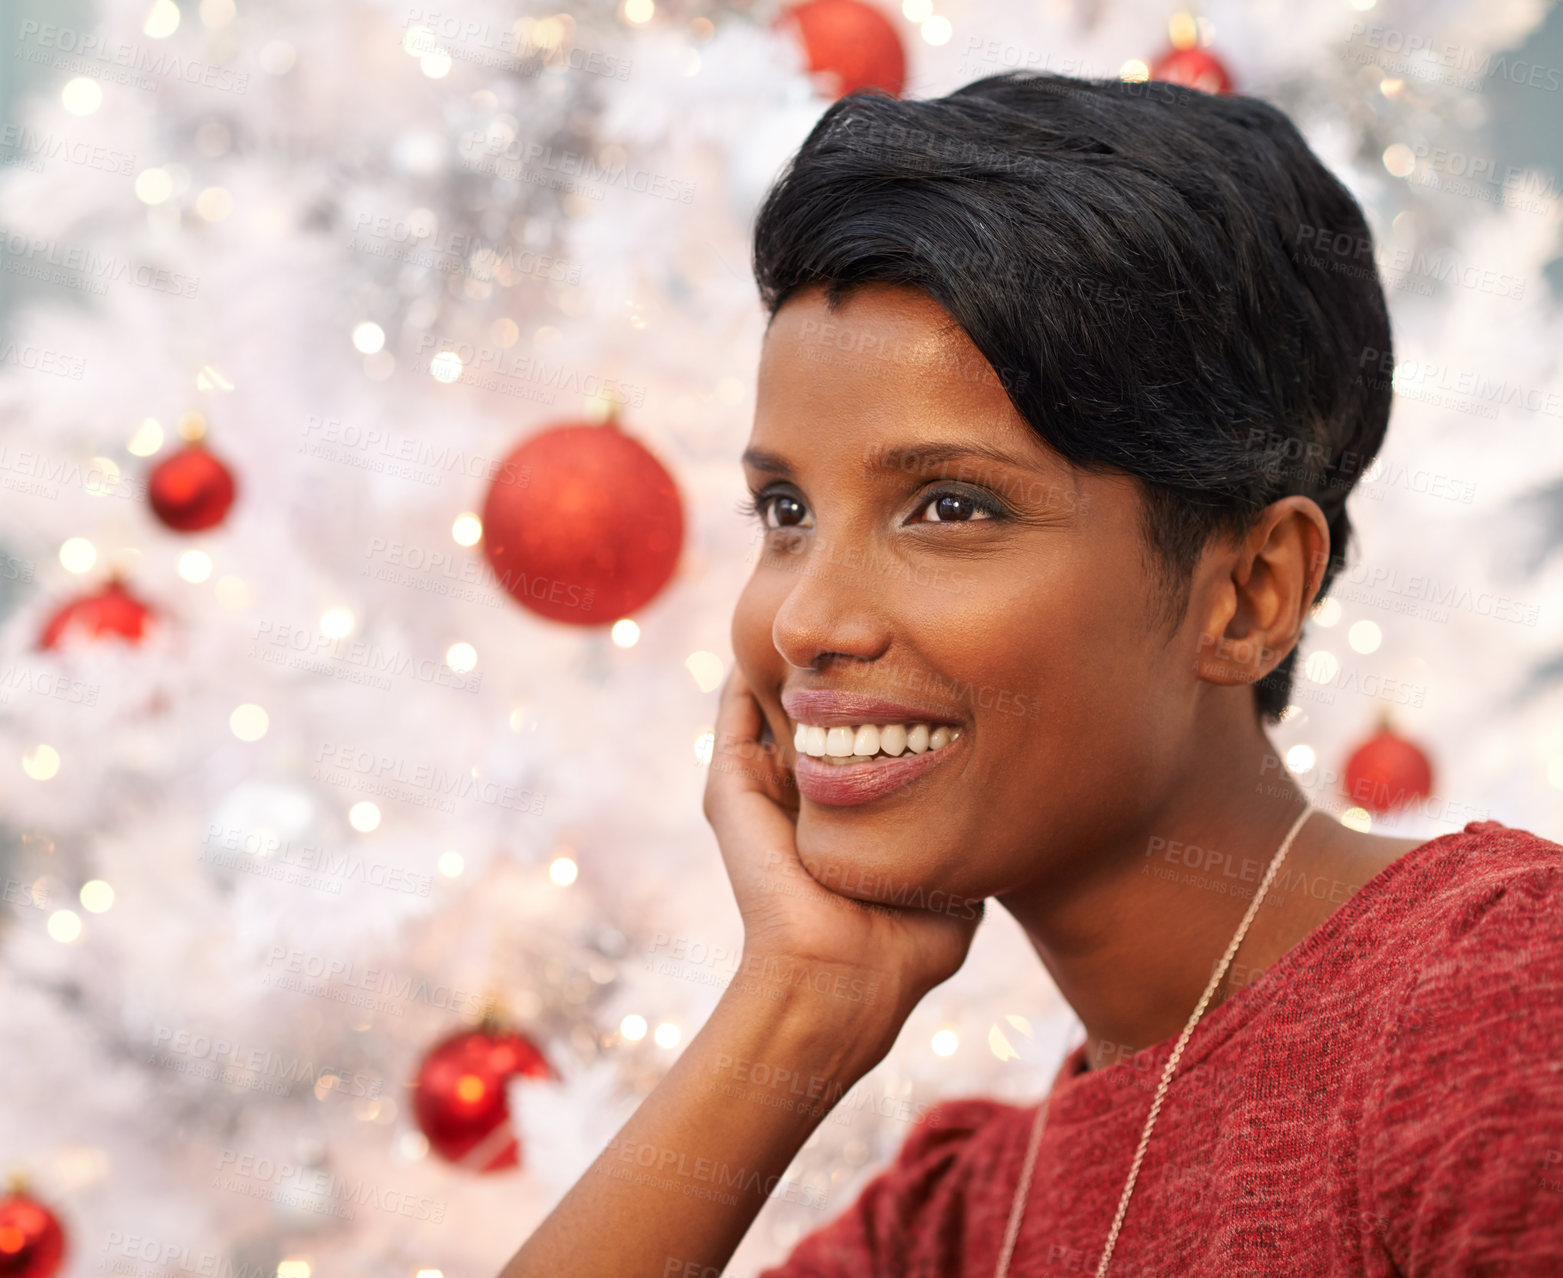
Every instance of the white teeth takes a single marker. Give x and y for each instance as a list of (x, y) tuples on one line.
[(843, 743)]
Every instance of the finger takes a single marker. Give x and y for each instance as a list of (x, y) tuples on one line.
[(741, 758)]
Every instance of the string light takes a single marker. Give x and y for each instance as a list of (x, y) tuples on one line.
[(337, 623), (1365, 637), (937, 30), (461, 657), (195, 566), (97, 897), (945, 1042), (632, 1028), (1301, 758), (214, 203), (163, 21), (707, 669), (77, 554), (42, 762), (153, 186), (1359, 819), (467, 530), (82, 96), (625, 633), (1326, 612), (364, 817), (563, 871), (64, 926), (1000, 1046), (1399, 159), (368, 338), (249, 722), (147, 438), (451, 864)]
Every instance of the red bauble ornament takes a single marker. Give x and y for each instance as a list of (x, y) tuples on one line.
[(32, 1240), (582, 524), (1386, 771), (459, 1095), (1196, 68), (852, 43), (113, 612), (191, 490)]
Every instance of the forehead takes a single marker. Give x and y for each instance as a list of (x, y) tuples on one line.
[(887, 365)]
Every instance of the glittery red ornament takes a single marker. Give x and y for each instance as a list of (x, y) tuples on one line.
[(113, 612), (32, 1240), (459, 1096), (582, 524), (851, 43), (1197, 68), (1387, 771), (191, 490)]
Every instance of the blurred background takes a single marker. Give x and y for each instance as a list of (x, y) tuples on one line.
[(372, 382)]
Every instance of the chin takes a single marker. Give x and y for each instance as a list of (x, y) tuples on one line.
[(874, 868)]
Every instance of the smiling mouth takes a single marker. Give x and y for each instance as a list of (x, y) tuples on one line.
[(863, 743)]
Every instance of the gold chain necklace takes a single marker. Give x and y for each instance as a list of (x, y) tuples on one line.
[(1018, 1206)]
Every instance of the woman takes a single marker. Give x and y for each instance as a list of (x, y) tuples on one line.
[(1063, 391)]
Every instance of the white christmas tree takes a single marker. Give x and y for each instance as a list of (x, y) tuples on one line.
[(258, 863)]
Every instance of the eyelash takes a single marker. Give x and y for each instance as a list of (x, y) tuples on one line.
[(758, 504)]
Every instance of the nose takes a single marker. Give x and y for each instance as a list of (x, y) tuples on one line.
[(831, 610)]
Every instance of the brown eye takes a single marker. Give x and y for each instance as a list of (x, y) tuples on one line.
[(781, 511), (950, 508)]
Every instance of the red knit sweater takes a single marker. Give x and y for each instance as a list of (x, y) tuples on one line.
[(1386, 1099)]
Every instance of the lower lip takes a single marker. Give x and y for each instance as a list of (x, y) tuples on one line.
[(845, 784)]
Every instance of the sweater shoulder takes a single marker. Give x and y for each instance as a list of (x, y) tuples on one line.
[(1454, 883)]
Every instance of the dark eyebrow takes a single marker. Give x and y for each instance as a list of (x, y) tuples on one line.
[(759, 459), (910, 458), (915, 457)]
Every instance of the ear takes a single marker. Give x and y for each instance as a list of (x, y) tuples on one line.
[(1257, 589)]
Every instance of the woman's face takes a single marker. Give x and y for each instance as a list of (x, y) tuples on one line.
[(927, 549)]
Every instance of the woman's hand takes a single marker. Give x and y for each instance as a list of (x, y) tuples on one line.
[(795, 928), (799, 1011)]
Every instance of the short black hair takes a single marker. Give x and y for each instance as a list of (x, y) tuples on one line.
[(1169, 284)]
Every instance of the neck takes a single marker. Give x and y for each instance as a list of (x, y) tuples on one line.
[(1133, 942)]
